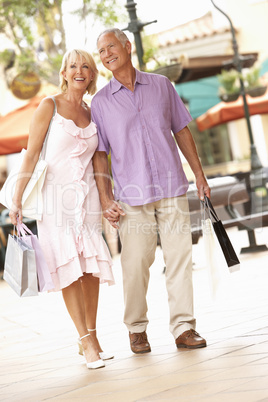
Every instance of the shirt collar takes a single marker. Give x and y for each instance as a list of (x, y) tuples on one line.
[(141, 78)]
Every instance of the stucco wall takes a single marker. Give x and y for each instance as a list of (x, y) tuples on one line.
[(251, 19)]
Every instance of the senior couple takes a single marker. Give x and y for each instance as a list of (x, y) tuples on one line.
[(133, 117)]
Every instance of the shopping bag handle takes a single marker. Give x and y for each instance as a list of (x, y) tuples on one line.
[(22, 229), (211, 211)]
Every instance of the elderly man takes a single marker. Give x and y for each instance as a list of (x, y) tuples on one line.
[(136, 113)]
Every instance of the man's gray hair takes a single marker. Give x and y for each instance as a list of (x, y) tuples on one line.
[(121, 36)]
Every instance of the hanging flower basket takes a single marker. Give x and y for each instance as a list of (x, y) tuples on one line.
[(257, 91), (172, 71), (229, 97)]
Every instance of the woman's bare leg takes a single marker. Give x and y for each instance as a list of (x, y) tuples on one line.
[(74, 300), (90, 288)]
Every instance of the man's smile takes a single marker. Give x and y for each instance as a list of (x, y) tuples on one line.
[(111, 61)]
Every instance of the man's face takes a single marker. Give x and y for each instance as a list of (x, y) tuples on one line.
[(112, 53)]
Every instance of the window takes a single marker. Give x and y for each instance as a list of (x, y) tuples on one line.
[(213, 145)]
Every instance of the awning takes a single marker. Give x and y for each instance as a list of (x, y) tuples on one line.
[(200, 95), (208, 66), (196, 68), (14, 127), (229, 111)]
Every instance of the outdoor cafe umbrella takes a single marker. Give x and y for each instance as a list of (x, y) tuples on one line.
[(14, 127), (229, 111)]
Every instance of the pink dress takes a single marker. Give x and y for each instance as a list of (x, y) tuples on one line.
[(70, 232)]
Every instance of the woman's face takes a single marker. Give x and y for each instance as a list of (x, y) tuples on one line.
[(78, 73)]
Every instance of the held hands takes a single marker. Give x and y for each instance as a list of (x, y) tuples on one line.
[(112, 212), (15, 214)]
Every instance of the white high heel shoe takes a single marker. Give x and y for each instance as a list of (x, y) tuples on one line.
[(103, 355), (97, 363)]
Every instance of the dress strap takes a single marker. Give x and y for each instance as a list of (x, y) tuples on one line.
[(55, 106), (44, 148)]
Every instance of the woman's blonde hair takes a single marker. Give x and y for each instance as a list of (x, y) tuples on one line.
[(92, 87)]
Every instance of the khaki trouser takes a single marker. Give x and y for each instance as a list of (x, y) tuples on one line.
[(138, 234)]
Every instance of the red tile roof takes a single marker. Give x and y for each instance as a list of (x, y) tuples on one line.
[(199, 28)]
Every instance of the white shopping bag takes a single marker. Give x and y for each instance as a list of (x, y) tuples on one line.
[(20, 267), (214, 257)]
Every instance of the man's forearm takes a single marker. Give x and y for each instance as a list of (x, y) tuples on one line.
[(187, 146)]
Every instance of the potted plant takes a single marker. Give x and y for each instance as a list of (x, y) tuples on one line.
[(229, 89), (253, 84)]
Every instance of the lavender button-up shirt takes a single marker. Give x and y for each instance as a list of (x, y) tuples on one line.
[(137, 127)]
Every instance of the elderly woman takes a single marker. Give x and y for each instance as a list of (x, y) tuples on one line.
[(70, 231)]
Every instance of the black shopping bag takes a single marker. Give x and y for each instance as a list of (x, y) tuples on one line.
[(223, 238)]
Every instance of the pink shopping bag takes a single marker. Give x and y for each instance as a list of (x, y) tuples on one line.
[(43, 275)]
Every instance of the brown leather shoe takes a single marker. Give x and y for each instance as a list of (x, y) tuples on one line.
[(191, 340), (139, 342)]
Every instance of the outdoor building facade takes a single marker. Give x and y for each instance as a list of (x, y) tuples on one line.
[(202, 46), (223, 148)]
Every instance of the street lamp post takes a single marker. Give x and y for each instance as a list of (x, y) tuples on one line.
[(136, 26), (256, 181), (237, 62)]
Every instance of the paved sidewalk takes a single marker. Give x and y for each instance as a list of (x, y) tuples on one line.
[(38, 350)]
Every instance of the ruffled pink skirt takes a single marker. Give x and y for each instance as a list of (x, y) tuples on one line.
[(70, 232)]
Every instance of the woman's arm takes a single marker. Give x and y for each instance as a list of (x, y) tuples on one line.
[(111, 209), (37, 132)]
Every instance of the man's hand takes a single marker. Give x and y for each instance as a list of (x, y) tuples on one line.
[(112, 212), (202, 188)]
